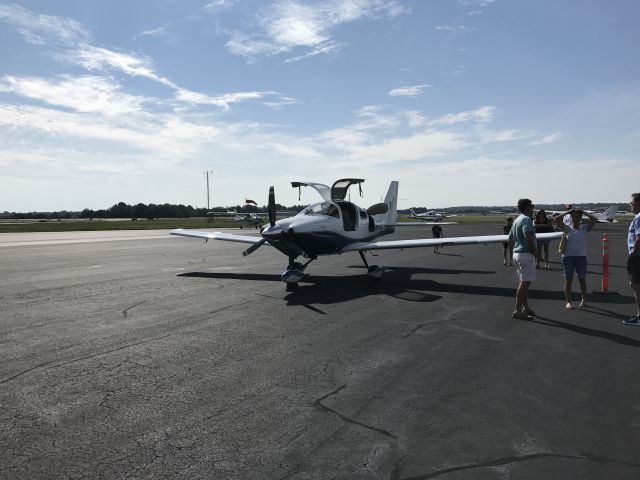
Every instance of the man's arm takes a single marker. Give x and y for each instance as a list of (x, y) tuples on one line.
[(559, 220), (531, 243), (592, 221)]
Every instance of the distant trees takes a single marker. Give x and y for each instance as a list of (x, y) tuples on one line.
[(166, 210)]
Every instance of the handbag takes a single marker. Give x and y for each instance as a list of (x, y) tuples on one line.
[(563, 241)]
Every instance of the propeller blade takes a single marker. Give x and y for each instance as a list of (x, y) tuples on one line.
[(272, 207), (253, 247)]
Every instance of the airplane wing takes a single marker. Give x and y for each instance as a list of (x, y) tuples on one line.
[(432, 242), (422, 223), (229, 237)]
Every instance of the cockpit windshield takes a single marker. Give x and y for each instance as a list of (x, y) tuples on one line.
[(324, 208)]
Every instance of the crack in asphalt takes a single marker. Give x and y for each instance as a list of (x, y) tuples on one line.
[(226, 307), (415, 329), (26, 371), (515, 459), (323, 408), (124, 312), (111, 351), (80, 359)]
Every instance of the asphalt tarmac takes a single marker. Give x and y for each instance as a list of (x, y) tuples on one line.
[(148, 356)]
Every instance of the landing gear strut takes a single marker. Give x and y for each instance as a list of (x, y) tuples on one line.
[(374, 271)]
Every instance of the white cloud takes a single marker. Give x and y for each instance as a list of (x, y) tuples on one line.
[(154, 32), (43, 29), (411, 91), (454, 27), (419, 146), (325, 48), (475, 3), (81, 94), (223, 101), (547, 139), (289, 24), (482, 114), (491, 136), (415, 119), (219, 5), (101, 59)]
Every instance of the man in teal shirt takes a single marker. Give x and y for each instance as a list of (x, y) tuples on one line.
[(522, 238)]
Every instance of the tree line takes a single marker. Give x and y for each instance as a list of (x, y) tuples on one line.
[(166, 210), (141, 210)]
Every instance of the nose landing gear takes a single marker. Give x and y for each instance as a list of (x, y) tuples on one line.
[(294, 273)]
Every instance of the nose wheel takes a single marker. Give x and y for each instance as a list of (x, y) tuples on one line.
[(294, 273)]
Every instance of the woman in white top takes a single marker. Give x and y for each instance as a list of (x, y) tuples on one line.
[(574, 257)]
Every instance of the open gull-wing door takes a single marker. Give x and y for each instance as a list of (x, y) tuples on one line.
[(340, 187), (323, 190)]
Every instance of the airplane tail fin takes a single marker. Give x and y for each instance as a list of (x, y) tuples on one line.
[(608, 214), (412, 213), (392, 201)]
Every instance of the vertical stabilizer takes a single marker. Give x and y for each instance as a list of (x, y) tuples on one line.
[(608, 214), (392, 202)]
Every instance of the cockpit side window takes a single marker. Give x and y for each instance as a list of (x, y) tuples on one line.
[(324, 208)]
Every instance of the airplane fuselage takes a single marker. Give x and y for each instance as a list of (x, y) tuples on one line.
[(323, 228)]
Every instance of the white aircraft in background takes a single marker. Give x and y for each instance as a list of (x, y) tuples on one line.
[(249, 218), (431, 216), (335, 226), (603, 217)]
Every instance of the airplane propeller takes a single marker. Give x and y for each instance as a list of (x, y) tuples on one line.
[(272, 207), (272, 221)]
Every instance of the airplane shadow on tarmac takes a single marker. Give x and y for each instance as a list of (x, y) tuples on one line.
[(621, 339), (398, 282)]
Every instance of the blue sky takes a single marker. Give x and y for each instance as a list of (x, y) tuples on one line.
[(465, 102)]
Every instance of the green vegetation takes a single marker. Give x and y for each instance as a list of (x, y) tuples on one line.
[(96, 225), (68, 225)]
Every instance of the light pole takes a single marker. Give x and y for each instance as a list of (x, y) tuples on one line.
[(207, 172)]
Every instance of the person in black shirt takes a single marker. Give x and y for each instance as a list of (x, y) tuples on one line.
[(542, 225), (506, 248), (437, 233)]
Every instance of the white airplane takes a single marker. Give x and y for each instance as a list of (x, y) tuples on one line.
[(431, 215), (336, 226), (603, 217), (249, 218)]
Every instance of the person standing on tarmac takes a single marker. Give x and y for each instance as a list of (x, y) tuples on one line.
[(522, 239), (436, 230), (507, 251), (574, 257), (633, 262)]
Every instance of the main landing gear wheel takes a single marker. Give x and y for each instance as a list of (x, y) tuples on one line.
[(375, 272)]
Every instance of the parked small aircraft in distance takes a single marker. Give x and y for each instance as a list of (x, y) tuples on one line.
[(603, 217), (431, 216), (336, 226), (248, 218)]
